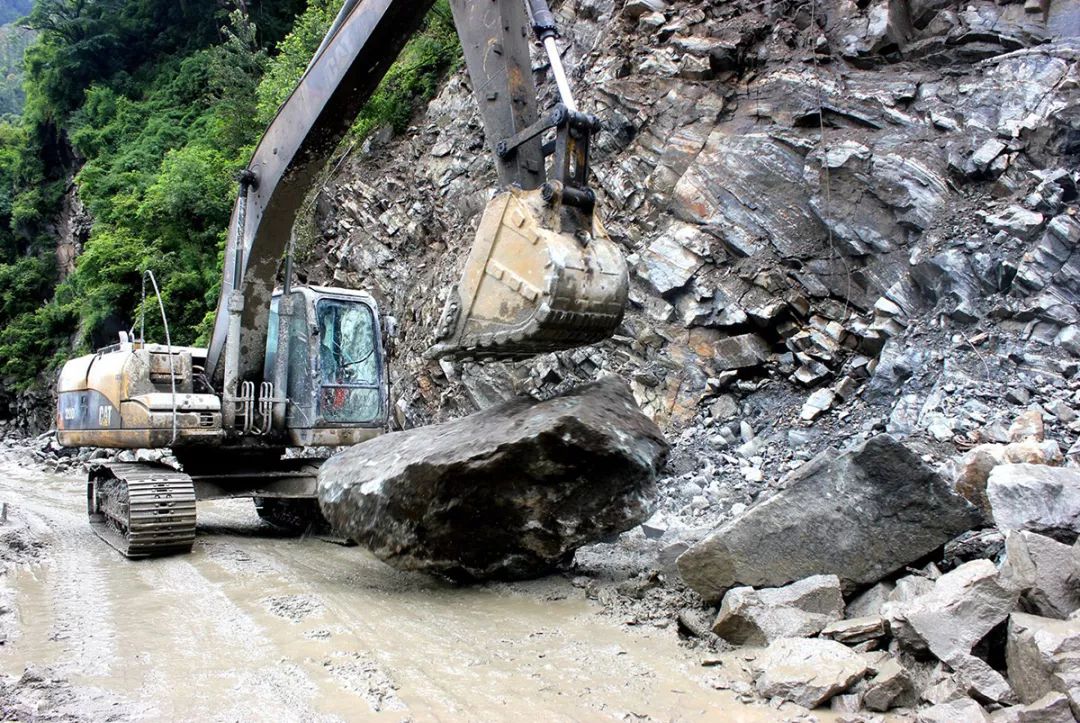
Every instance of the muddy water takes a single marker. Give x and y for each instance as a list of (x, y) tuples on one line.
[(251, 626)]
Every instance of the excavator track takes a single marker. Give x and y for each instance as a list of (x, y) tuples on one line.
[(142, 510)]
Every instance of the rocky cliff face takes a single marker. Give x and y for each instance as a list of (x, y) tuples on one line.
[(72, 230), (841, 217)]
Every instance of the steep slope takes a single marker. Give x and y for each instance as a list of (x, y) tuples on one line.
[(840, 217)]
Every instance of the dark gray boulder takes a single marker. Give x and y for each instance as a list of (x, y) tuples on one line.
[(859, 515), (507, 493)]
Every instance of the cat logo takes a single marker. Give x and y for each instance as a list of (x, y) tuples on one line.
[(104, 416)]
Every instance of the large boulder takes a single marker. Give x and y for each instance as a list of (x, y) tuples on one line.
[(1037, 498), (506, 493), (1043, 656), (806, 671), (859, 515), (758, 617), (958, 612)]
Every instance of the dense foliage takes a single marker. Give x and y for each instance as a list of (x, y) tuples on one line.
[(13, 43), (154, 105)]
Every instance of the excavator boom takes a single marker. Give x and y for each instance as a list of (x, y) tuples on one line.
[(362, 45), (568, 289)]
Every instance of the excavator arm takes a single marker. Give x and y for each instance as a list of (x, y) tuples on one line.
[(542, 274), (357, 52)]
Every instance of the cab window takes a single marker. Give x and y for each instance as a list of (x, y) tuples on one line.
[(349, 363)]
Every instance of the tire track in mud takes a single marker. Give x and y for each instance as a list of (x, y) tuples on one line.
[(97, 618), (476, 653), (255, 626), (79, 607)]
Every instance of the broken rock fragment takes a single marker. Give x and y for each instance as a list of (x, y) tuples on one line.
[(807, 671), (891, 682), (962, 710), (962, 608), (1037, 498), (975, 468), (981, 681), (856, 630), (1043, 656), (859, 515), (1043, 569), (509, 492), (757, 617), (1051, 708)]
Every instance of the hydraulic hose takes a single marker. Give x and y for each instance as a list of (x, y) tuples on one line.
[(546, 32)]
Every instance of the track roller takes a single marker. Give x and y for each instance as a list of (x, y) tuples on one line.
[(142, 510)]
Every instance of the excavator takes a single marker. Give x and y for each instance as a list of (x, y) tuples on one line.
[(292, 367)]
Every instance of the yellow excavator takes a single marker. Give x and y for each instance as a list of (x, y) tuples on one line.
[(296, 367)]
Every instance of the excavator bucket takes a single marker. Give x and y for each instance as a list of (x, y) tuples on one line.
[(539, 278)]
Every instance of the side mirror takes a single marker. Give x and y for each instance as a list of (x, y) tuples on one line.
[(390, 333)]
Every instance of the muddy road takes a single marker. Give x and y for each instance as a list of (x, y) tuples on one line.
[(254, 626)]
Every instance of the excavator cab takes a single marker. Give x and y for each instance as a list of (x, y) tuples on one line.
[(334, 360)]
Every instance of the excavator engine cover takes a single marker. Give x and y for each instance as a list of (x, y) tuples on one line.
[(540, 277)]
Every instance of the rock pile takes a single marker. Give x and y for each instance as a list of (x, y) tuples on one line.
[(843, 221), (510, 492), (44, 451), (860, 515), (995, 634)]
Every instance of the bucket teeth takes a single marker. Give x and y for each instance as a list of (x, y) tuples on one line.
[(537, 280)]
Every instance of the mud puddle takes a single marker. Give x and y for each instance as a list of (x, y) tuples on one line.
[(253, 626)]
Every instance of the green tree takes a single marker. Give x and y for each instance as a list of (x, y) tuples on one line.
[(157, 104)]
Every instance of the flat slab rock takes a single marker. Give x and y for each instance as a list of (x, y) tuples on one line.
[(859, 515), (507, 493)]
